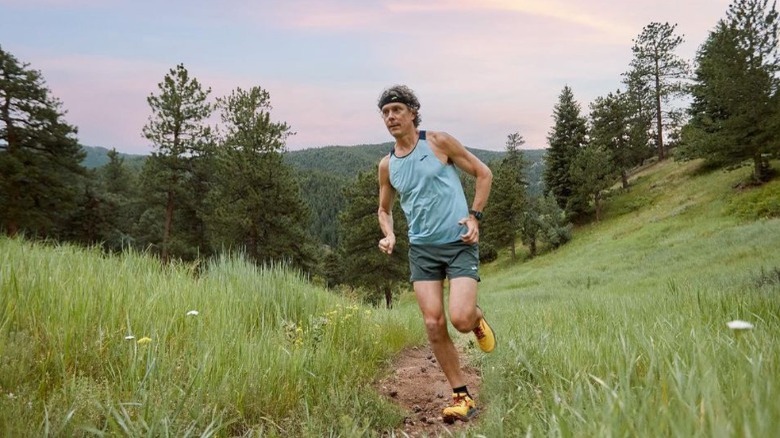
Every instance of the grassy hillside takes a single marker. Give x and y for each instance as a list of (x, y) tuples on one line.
[(621, 332)]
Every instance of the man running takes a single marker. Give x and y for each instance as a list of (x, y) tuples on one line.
[(443, 231)]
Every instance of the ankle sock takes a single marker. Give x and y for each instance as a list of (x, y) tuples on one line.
[(461, 390)]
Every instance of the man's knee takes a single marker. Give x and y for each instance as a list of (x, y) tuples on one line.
[(436, 327), (464, 321)]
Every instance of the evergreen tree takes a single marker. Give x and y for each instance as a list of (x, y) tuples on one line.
[(531, 227), (504, 213), (640, 105), (177, 129), (544, 222), (593, 172), (254, 203), (41, 176), (364, 265), (657, 68), (735, 92), (555, 229), (118, 186), (612, 129), (568, 136)]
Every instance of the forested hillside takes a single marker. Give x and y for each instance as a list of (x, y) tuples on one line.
[(347, 160), (97, 156), (324, 173)]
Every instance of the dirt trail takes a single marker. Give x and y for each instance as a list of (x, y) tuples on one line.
[(416, 383)]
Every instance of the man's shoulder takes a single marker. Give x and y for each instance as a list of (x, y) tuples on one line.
[(384, 161), (443, 141), (436, 135)]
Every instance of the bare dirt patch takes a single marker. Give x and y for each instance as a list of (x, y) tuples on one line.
[(416, 383)]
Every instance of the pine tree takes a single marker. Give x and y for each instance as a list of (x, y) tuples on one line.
[(735, 110), (41, 176), (658, 69), (365, 266), (177, 129), (254, 203), (118, 187), (612, 129), (640, 104), (544, 222), (567, 137), (593, 172), (504, 213), (555, 229)]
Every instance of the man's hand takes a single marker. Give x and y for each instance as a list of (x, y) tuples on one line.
[(472, 234), (387, 244)]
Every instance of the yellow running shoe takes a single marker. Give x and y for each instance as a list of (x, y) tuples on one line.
[(485, 336), (464, 408)]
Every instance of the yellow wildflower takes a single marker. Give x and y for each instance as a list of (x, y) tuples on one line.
[(145, 340)]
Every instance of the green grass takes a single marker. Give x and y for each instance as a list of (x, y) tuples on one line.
[(621, 332), (267, 353)]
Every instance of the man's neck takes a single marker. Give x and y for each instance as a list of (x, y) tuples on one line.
[(406, 141)]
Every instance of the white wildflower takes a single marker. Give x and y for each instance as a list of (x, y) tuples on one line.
[(193, 313), (739, 325), (129, 337)]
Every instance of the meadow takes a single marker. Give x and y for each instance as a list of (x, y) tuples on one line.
[(621, 332)]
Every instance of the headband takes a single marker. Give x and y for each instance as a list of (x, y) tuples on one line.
[(393, 97)]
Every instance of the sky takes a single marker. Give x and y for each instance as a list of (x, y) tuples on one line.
[(482, 69)]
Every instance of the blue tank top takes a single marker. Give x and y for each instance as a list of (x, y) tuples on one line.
[(431, 195)]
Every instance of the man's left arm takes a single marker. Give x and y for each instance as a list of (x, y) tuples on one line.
[(467, 162)]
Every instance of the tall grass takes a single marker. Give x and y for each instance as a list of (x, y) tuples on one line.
[(623, 332), (95, 345)]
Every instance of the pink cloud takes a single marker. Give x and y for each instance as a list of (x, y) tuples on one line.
[(483, 69)]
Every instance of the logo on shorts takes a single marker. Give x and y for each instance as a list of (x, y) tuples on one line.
[(473, 268)]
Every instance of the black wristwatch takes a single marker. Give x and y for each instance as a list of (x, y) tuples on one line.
[(477, 214)]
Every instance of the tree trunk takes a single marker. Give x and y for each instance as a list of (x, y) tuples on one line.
[(167, 230), (388, 297), (658, 115), (532, 247), (624, 178), (513, 248), (597, 202), (12, 227), (760, 168)]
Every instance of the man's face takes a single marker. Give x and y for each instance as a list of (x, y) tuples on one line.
[(398, 118)]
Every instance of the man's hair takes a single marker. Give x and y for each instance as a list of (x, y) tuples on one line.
[(404, 95)]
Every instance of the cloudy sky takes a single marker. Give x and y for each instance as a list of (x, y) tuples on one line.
[(481, 68)]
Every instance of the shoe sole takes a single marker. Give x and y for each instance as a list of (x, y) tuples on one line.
[(451, 419)]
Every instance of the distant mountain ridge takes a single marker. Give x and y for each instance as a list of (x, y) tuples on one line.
[(97, 156)]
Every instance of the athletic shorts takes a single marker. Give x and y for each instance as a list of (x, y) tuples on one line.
[(450, 260)]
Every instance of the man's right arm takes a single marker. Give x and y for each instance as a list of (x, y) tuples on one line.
[(385, 213)]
